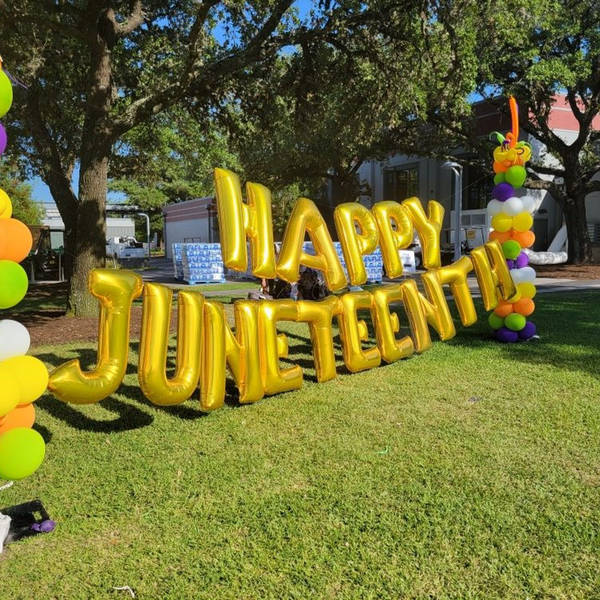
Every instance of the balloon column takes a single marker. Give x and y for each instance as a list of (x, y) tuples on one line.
[(23, 378), (511, 223)]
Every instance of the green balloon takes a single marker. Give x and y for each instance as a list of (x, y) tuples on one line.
[(495, 321), (511, 249), (499, 178), (515, 321), (21, 453), (516, 176), (13, 283), (6, 93)]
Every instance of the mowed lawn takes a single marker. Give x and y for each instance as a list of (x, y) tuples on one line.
[(471, 471)]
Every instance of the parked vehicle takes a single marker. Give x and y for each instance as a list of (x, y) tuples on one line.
[(124, 248)]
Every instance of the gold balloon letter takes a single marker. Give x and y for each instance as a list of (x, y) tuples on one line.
[(393, 238), (306, 218), (386, 324), (492, 274), (428, 227), (154, 342), (353, 331), (273, 346), (417, 318), (456, 275), (318, 315), (238, 220), (115, 290), (348, 217), (240, 351)]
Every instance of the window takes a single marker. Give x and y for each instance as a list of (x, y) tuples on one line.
[(399, 184)]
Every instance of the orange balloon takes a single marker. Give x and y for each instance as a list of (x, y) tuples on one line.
[(525, 238), (21, 416), (503, 309), (15, 240), (524, 306), (500, 236), (499, 167)]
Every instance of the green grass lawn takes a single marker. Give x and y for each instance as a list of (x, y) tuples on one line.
[(471, 471)]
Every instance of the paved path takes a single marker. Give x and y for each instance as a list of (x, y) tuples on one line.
[(160, 270)]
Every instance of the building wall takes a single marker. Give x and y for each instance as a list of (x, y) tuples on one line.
[(190, 221)]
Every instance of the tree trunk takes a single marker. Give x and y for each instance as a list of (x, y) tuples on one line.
[(580, 247)]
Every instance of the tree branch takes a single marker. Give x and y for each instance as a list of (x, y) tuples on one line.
[(133, 21)]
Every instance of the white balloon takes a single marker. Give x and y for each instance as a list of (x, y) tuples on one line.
[(528, 204), (513, 206), (494, 207), (526, 274), (14, 339)]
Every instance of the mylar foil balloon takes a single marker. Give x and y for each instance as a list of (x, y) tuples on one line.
[(14, 339), (6, 93), (5, 205), (396, 232), (306, 218), (15, 240), (115, 290), (21, 453), (3, 139), (348, 216), (20, 416), (353, 332), (428, 227), (13, 283), (154, 341), (31, 375)]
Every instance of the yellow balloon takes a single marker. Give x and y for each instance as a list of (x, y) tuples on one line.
[(31, 375), (502, 222), (318, 315), (154, 341), (526, 289), (523, 221), (5, 205), (436, 307), (354, 331), (386, 324), (394, 238), (455, 275), (221, 348), (306, 218), (347, 217), (428, 227), (273, 346), (116, 291), (238, 220), (11, 390), (417, 318)]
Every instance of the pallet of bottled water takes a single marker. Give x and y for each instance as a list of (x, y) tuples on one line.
[(202, 263), (176, 251)]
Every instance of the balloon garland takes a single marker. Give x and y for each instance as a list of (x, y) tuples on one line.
[(511, 222), (23, 378)]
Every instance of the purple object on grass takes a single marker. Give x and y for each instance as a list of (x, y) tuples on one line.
[(3, 139), (506, 335), (528, 331), (522, 260), (44, 527), (503, 191)]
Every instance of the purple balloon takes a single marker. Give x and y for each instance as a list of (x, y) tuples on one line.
[(3, 139), (510, 263), (522, 260), (528, 331), (506, 336), (503, 191)]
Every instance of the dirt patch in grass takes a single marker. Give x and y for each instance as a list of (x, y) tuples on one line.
[(568, 271)]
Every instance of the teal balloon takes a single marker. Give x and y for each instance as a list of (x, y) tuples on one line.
[(499, 178), (515, 321), (6, 93), (511, 249), (495, 322), (13, 283), (516, 176), (21, 453)]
